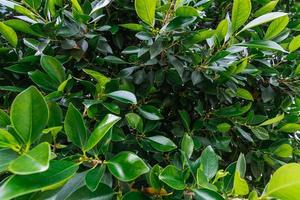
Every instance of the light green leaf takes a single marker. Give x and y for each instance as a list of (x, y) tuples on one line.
[(132, 26), (123, 96), (245, 94), (127, 166), (102, 128), (9, 34), (75, 127), (173, 177), (276, 27), (290, 128), (4, 119), (7, 140), (58, 172), (294, 44), (100, 78), (29, 114), (35, 161), (145, 9), (222, 30), (186, 11), (20, 25), (6, 157), (284, 151), (274, 120), (240, 13), (266, 8), (263, 19), (285, 183), (240, 186), (53, 68)]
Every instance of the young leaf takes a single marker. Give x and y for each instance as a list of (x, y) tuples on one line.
[(240, 186), (127, 166), (29, 114), (102, 128), (294, 44), (273, 120), (240, 13), (9, 34), (280, 188), (58, 172), (276, 27), (290, 128), (75, 127), (245, 94), (35, 161), (145, 9)]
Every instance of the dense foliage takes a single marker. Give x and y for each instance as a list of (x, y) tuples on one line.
[(149, 99)]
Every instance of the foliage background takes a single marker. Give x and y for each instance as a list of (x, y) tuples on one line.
[(149, 99)]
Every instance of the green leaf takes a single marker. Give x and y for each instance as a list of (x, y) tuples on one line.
[(20, 25), (285, 183), (29, 114), (35, 4), (127, 166), (114, 60), (198, 37), (234, 110), (276, 27), (244, 94), (266, 8), (179, 22), (187, 145), (4, 119), (240, 186), (240, 13), (123, 96), (7, 140), (223, 127), (103, 192), (203, 182), (132, 26), (102, 128), (94, 177), (274, 120), (100, 4), (262, 44), (186, 11), (205, 194), (263, 19), (185, 118), (161, 143), (260, 132), (284, 151), (222, 30), (173, 177), (135, 195), (100, 78), (9, 34), (135, 121), (290, 128), (145, 9), (6, 157), (35, 161), (150, 112), (209, 162), (294, 44), (75, 127), (53, 68), (58, 172)]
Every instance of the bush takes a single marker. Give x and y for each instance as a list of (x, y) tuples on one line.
[(149, 99)]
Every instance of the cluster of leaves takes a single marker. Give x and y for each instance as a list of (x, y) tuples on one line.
[(149, 99)]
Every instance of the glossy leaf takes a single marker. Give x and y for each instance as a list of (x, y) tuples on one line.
[(161, 143), (295, 44), (9, 34), (276, 27), (123, 96), (127, 166), (29, 114), (145, 9), (209, 162), (150, 112), (94, 177), (173, 177), (53, 68), (134, 121), (35, 161), (240, 13), (102, 128)]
